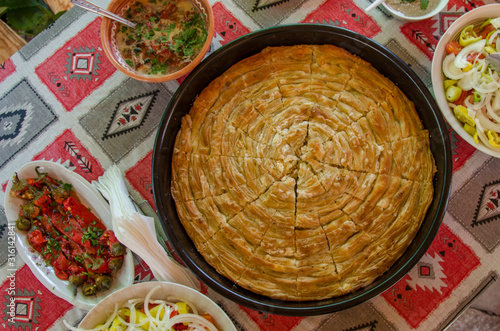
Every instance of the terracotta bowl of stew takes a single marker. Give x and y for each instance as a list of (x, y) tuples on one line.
[(170, 39)]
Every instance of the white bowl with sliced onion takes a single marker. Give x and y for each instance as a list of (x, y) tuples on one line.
[(156, 306), (466, 79)]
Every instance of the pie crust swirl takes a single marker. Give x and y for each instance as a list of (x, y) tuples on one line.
[(302, 173)]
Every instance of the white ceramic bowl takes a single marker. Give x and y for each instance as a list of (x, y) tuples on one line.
[(475, 15), (401, 16), (100, 313)]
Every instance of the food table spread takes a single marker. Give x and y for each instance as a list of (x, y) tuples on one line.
[(61, 100)]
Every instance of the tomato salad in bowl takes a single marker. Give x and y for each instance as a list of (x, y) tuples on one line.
[(64, 234), (67, 234), (471, 69)]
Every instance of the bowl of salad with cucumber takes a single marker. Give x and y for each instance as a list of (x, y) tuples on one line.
[(466, 77)]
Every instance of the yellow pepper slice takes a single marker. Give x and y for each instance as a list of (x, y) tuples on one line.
[(468, 67), (493, 138), (157, 311), (140, 317), (485, 23), (470, 129), (452, 93), (182, 307), (490, 49), (116, 325), (462, 114), (468, 36), (449, 82)]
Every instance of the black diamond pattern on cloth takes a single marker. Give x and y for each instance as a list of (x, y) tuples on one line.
[(126, 117), (11, 123), (488, 209), (263, 4), (23, 116), (130, 114), (476, 204), (361, 317), (267, 13)]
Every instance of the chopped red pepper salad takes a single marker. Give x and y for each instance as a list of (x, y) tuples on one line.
[(66, 233)]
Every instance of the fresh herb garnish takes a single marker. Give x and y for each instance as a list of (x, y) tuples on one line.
[(92, 234), (79, 259)]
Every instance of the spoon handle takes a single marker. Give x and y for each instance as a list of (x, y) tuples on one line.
[(373, 5), (98, 10)]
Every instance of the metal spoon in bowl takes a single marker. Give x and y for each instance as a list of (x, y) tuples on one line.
[(493, 60), (100, 11)]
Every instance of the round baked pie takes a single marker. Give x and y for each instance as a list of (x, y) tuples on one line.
[(302, 173)]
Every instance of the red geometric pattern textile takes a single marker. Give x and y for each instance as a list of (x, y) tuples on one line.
[(26, 304), (271, 322), (139, 176), (447, 262), (344, 14), (142, 273), (461, 150), (6, 69), (68, 150), (77, 68), (227, 27)]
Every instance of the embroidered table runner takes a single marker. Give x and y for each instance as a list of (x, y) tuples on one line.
[(62, 100)]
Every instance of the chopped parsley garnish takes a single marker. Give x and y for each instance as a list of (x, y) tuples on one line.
[(67, 186), (52, 246), (171, 34), (192, 38), (79, 259), (92, 234)]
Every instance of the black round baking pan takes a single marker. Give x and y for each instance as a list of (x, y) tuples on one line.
[(213, 66)]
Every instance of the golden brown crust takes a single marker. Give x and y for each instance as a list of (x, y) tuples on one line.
[(302, 173)]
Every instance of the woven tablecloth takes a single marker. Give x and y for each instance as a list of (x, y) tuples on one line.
[(62, 100)]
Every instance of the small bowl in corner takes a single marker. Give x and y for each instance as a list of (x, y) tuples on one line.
[(109, 44), (401, 16)]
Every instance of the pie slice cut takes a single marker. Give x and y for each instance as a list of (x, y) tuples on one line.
[(302, 173)]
